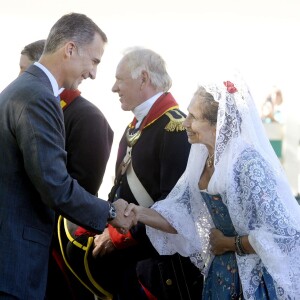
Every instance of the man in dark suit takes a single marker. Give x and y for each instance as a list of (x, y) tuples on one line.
[(89, 139), (34, 182)]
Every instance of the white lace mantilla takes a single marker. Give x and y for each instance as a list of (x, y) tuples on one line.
[(252, 184)]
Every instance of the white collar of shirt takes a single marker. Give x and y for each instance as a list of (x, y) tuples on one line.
[(142, 110), (56, 90)]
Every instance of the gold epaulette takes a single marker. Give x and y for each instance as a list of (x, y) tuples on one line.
[(176, 119)]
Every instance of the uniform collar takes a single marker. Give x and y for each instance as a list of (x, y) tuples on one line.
[(142, 110)]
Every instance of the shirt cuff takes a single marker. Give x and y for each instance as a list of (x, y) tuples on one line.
[(120, 240)]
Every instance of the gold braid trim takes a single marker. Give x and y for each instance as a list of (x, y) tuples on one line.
[(62, 227), (175, 124)]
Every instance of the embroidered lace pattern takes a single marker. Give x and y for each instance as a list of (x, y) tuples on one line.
[(253, 186)]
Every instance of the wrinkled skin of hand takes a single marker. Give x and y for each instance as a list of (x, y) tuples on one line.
[(132, 208), (103, 244), (217, 242)]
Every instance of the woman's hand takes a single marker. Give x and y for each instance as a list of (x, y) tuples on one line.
[(131, 207), (219, 243), (149, 217)]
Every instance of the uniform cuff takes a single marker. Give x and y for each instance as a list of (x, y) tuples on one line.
[(120, 240), (82, 231)]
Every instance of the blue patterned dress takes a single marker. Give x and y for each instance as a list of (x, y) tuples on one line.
[(222, 281)]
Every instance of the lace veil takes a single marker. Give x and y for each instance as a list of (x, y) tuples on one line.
[(250, 179)]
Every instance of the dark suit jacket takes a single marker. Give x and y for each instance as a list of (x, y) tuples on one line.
[(89, 138), (34, 183)]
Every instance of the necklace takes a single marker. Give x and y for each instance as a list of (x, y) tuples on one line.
[(210, 160)]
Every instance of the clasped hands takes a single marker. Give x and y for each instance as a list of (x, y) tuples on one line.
[(125, 219)]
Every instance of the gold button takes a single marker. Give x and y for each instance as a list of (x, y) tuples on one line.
[(169, 282)]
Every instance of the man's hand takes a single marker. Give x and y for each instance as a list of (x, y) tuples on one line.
[(122, 222), (103, 244)]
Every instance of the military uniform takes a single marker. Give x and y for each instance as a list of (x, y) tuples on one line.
[(159, 157)]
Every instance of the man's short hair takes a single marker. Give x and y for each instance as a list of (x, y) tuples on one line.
[(34, 50), (72, 27)]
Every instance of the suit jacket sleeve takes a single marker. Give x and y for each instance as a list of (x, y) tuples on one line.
[(40, 134)]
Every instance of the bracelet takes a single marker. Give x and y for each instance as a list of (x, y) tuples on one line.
[(239, 249)]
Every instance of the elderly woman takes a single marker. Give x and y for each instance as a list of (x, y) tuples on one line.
[(232, 211)]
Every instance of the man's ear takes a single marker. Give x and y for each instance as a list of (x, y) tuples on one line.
[(69, 48), (144, 76)]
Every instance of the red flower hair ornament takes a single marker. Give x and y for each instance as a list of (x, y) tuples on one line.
[(230, 87)]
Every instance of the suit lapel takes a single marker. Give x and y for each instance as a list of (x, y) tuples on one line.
[(37, 72)]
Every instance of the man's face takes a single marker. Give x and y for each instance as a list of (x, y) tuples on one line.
[(25, 62), (83, 63), (129, 89)]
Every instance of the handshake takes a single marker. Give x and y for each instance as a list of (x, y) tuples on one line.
[(126, 215), (129, 215)]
